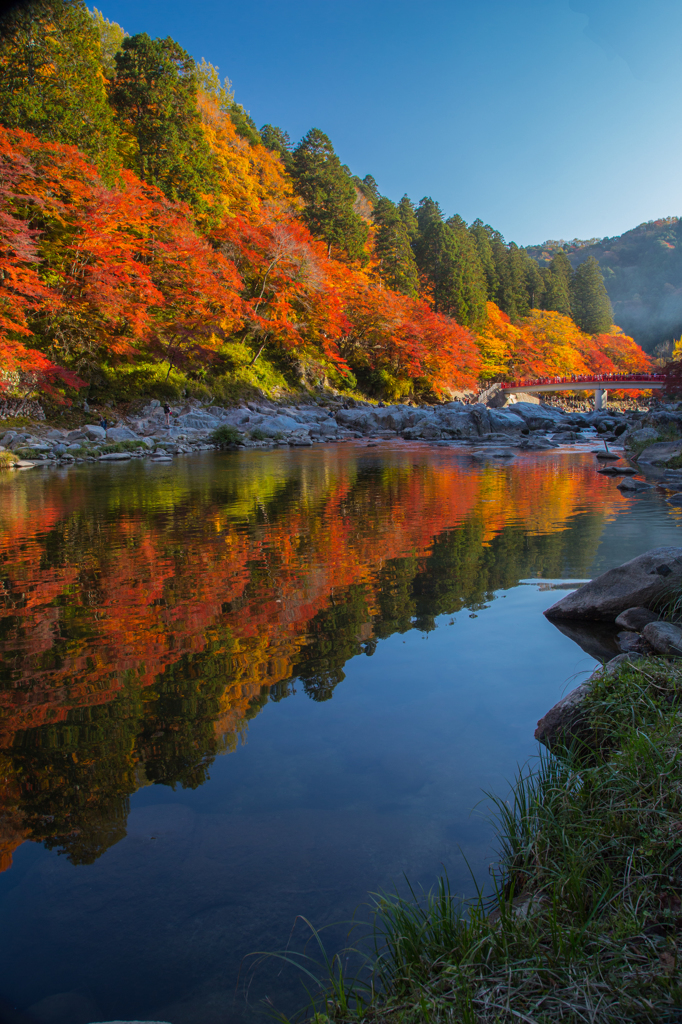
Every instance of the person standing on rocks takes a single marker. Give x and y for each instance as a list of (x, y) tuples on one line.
[(167, 410)]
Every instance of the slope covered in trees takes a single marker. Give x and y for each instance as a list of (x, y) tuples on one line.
[(152, 240), (642, 271)]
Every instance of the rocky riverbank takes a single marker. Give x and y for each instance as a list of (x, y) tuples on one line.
[(524, 426)]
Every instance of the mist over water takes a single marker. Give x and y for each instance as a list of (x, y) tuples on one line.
[(248, 686)]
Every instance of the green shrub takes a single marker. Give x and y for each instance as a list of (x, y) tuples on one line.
[(258, 435), (7, 460), (225, 435)]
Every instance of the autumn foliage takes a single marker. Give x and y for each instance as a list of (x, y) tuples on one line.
[(96, 274)]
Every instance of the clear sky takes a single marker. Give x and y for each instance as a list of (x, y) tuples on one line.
[(546, 118)]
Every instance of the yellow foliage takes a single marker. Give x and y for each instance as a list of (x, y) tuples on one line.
[(496, 342), (251, 175)]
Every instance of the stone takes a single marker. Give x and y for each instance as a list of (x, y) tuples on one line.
[(122, 434), (643, 434), (273, 425), (23, 464), (633, 485), (505, 420), (644, 580), (537, 417), (93, 431), (565, 721), (636, 618), (114, 457), (675, 500), (605, 456), (659, 454), (664, 637), (629, 642), (196, 421)]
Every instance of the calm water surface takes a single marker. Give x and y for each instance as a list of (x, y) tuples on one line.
[(243, 687)]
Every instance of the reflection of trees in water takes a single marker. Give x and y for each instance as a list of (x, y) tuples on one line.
[(142, 634)]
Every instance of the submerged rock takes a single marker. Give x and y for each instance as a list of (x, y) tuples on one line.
[(644, 580)]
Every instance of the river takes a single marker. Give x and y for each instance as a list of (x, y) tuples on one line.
[(209, 728)]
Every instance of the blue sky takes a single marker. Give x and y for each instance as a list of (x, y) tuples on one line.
[(546, 118)]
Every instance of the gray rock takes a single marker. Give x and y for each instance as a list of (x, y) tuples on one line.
[(114, 457), (505, 420), (664, 637), (644, 580), (640, 435), (566, 720), (454, 423), (357, 419), (675, 500), (8, 437), (659, 454), (94, 432), (537, 417), (636, 618), (272, 425), (197, 421), (122, 434), (630, 642), (633, 485)]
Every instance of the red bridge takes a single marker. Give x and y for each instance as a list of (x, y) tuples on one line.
[(600, 383)]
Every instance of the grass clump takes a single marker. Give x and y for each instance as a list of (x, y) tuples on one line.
[(586, 921), (7, 460), (225, 435)]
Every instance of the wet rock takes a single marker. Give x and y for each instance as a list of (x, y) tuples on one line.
[(664, 637), (114, 457), (636, 618), (659, 454), (630, 642), (566, 720), (644, 580), (633, 485)]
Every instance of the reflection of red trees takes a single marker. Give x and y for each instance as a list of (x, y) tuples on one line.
[(150, 589)]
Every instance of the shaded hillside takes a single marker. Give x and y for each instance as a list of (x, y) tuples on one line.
[(643, 275)]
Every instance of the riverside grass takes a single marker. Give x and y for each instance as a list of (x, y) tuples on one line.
[(585, 924)]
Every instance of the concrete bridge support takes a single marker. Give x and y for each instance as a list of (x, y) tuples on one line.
[(600, 398)]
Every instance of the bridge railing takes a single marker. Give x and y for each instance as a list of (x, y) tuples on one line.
[(592, 378)]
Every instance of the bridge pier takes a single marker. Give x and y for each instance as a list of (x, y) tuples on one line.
[(600, 398)]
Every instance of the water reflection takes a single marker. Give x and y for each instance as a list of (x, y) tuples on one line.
[(148, 612)]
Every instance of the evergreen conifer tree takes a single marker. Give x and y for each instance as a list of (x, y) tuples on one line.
[(448, 259), (557, 279), (329, 196), (397, 265), (278, 141), (51, 80), (590, 305), (154, 96), (482, 235), (409, 217)]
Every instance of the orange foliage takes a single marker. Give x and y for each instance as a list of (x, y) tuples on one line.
[(250, 175), (549, 344)]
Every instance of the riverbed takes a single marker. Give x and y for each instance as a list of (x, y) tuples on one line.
[(246, 688)]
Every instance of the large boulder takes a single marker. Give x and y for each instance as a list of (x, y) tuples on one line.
[(659, 454), (273, 425), (505, 420), (645, 580), (93, 432), (356, 419), (122, 434), (538, 417), (454, 423), (115, 457), (196, 420), (636, 618)]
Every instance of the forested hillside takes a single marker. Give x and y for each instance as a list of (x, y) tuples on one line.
[(154, 241), (642, 271)]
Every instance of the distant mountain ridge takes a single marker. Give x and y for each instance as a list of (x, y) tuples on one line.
[(642, 271)]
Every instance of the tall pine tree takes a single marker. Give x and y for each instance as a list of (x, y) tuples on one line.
[(329, 196), (448, 261), (392, 249), (590, 305), (154, 96), (558, 277)]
